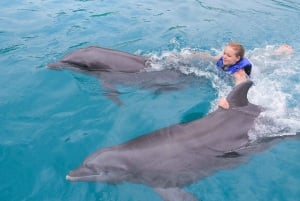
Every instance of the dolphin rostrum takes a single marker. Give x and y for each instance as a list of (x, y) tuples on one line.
[(116, 67), (176, 156)]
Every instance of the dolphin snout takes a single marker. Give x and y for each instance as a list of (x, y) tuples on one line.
[(55, 66), (69, 178), (83, 173), (72, 176)]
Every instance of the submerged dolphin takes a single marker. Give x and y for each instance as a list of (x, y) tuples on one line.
[(116, 67), (173, 157)]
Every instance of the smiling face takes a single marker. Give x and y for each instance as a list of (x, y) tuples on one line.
[(230, 56)]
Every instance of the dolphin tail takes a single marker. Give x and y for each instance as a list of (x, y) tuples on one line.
[(278, 138), (267, 142), (175, 194)]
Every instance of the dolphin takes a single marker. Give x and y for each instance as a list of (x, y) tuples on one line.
[(95, 58), (173, 157), (115, 67)]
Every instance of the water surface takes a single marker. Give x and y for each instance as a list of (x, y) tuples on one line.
[(51, 120)]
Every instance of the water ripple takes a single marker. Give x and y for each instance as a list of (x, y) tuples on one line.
[(10, 49), (103, 14)]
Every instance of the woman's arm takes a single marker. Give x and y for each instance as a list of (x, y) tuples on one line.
[(240, 76), (204, 55)]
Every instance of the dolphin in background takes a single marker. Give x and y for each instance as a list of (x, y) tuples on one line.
[(176, 156), (102, 59), (115, 67)]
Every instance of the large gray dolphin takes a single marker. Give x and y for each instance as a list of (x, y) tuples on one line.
[(173, 157), (115, 67)]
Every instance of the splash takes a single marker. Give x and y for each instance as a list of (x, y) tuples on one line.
[(276, 89), (186, 61)]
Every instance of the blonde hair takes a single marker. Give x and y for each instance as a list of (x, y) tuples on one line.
[(239, 49)]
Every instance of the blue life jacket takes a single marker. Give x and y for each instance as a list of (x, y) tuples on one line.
[(243, 63)]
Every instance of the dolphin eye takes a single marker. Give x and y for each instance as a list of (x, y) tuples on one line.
[(105, 171), (231, 154)]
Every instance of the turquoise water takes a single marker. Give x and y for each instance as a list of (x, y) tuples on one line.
[(51, 120)]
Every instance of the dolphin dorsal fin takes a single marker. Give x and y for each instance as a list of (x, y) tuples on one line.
[(238, 96)]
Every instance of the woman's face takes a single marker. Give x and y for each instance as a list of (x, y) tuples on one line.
[(229, 56)]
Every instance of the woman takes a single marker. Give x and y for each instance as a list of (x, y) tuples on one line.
[(234, 62)]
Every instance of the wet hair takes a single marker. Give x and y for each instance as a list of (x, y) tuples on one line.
[(239, 49)]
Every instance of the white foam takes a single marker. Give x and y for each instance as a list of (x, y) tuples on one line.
[(274, 89), (185, 62)]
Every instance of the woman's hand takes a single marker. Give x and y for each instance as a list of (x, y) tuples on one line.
[(284, 49), (223, 103)]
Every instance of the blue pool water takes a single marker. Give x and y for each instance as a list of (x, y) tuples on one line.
[(51, 120)]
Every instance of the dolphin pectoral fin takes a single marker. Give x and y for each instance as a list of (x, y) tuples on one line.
[(111, 92), (175, 194), (113, 95)]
